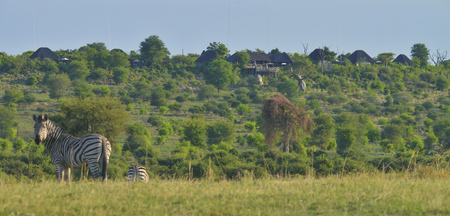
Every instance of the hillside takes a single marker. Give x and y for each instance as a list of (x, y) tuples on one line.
[(367, 117)]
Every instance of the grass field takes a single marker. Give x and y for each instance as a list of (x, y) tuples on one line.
[(425, 191)]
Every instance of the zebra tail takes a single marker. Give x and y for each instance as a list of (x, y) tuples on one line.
[(104, 159)]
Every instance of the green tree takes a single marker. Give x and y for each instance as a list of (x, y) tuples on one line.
[(345, 139), (32, 80), (48, 66), (102, 115), (83, 90), (219, 73), (29, 98), (206, 92), (164, 131), (442, 83), (13, 96), (429, 140), (5, 145), (137, 129), (220, 48), (194, 131), (256, 140), (59, 85), (275, 51), (78, 69), (417, 144), (221, 131), (99, 74), (243, 109), (242, 59), (323, 130), (120, 74), (385, 57), (250, 126), (118, 58), (163, 110), (420, 51), (387, 146), (153, 51), (19, 144), (289, 88), (158, 97), (7, 120)]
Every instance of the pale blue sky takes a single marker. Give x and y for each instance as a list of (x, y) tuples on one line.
[(375, 26)]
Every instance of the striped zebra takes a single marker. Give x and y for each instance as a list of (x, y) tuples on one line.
[(68, 152), (137, 172)]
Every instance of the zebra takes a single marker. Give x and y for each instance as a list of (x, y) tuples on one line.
[(137, 172), (67, 152)]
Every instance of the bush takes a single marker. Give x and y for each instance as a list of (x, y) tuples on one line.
[(5, 145), (196, 109), (130, 107), (428, 104), (175, 106), (181, 98), (155, 120), (207, 92), (32, 80), (19, 144), (243, 98), (243, 109), (163, 110), (143, 111)]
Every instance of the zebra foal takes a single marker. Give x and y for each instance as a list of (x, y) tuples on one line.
[(68, 152), (137, 172)]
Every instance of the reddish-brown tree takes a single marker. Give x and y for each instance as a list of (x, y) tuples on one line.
[(280, 115)]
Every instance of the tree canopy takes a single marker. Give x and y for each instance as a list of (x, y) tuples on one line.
[(219, 73), (220, 48), (420, 51), (102, 115), (153, 51)]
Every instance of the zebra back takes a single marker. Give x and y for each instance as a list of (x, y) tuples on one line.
[(137, 172)]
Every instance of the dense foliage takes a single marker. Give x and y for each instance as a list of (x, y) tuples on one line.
[(169, 115)]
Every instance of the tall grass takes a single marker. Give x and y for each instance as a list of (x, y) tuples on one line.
[(425, 191)]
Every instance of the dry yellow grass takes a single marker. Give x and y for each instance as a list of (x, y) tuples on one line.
[(424, 192)]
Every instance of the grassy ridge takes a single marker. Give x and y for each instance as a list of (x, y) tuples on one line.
[(425, 191)]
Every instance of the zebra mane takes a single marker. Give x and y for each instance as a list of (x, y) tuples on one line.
[(56, 126)]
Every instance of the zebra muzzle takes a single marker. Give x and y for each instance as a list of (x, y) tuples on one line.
[(37, 140)]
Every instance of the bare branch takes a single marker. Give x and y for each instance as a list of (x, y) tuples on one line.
[(305, 49), (438, 57)]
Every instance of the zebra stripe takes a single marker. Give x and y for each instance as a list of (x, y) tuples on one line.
[(67, 152), (137, 172)]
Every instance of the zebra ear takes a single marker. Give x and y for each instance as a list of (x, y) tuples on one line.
[(34, 117), (45, 117)]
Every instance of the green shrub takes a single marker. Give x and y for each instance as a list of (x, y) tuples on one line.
[(243, 109), (163, 110), (32, 80)]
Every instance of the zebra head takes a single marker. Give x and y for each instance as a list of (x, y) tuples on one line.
[(40, 128)]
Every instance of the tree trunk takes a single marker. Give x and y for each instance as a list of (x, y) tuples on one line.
[(286, 140)]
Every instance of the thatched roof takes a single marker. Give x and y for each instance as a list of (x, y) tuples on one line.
[(44, 52), (274, 58), (280, 58), (207, 56), (359, 56), (316, 54), (118, 50), (403, 59)]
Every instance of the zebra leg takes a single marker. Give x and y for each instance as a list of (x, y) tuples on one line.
[(67, 174), (59, 171), (93, 166)]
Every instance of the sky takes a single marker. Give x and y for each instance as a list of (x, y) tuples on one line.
[(375, 26)]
